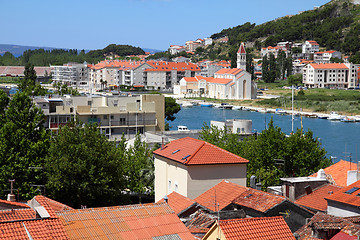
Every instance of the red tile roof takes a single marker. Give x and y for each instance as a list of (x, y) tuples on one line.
[(329, 66), (190, 151), (168, 66), (262, 228), (12, 205), (312, 42), (242, 48), (344, 236), (120, 64), (231, 71), (200, 222), (338, 172), (178, 202), (17, 214), (50, 205), (316, 200), (46, 229), (348, 198), (124, 222), (220, 196), (258, 200), (220, 80)]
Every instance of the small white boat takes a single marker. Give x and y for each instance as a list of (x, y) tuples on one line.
[(334, 116), (323, 116), (186, 104), (183, 128), (245, 109), (216, 105), (226, 106), (280, 111), (262, 110), (236, 108), (347, 119)]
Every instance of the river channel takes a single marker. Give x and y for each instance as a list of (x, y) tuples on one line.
[(340, 139)]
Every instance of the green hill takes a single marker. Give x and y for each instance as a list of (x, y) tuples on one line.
[(334, 25)]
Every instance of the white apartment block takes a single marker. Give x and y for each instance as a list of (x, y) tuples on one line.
[(72, 74), (115, 115), (330, 75), (175, 49), (310, 47), (324, 57)]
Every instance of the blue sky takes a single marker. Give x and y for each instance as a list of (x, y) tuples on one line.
[(152, 24)]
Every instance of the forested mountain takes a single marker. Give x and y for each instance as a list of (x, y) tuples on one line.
[(334, 25), (42, 57)]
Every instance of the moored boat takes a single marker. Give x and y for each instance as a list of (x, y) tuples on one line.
[(206, 105), (334, 116)]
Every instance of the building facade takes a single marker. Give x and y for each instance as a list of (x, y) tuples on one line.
[(74, 75), (330, 75)]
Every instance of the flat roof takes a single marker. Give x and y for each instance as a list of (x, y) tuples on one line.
[(302, 179)]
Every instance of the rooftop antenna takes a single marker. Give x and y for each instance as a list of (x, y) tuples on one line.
[(347, 155)]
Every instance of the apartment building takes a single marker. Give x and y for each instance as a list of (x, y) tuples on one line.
[(324, 57), (273, 50), (175, 49), (330, 75), (72, 74), (115, 115), (164, 75), (310, 47)]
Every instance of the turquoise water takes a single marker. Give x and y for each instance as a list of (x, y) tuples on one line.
[(336, 137)]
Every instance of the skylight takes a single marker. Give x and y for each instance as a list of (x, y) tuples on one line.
[(175, 151), (185, 157), (352, 190)]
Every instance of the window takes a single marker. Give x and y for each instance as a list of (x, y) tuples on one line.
[(89, 103), (111, 116), (169, 186), (176, 187), (352, 190), (105, 116)]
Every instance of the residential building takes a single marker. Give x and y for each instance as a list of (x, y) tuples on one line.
[(73, 75), (314, 200), (325, 57), (345, 202), (230, 200), (323, 226), (273, 50), (236, 126), (310, 47), (164, 75), (269, 228), (208, 41), (191, 46), (191, 166), (116, 115), (299, 64), (241, 57), (175, 49), (330, 75), (42, 73), (340, 173)]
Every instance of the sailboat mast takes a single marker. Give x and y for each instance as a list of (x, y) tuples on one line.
[(292, 108)]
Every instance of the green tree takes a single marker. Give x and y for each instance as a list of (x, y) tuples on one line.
[(273, 68), (265, 69), (171, 108), (23, 144), (271, 154), (295, 80), (28, 83), (84, 168), (139, 168)]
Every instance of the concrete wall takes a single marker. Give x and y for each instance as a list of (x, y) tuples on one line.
[(214, 234), (167, 170), (342, 210), (159, 101), (203, 177)]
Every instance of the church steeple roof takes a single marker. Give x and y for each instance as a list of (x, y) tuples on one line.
[(242, 48)]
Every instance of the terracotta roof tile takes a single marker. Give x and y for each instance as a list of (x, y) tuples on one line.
[(178, 202), (200, 222), (124, 222), (231, 71), (220, 80), (17, 214), (221, 194), (38, 229), (329, 65), (190, 151), (316, 200), (50, 205), (258, 200), (338, 172), (263, 228), (348, 195), (13, 205)]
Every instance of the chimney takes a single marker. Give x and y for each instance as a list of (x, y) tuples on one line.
[(253, 182), (11, 196), (166, 199)]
